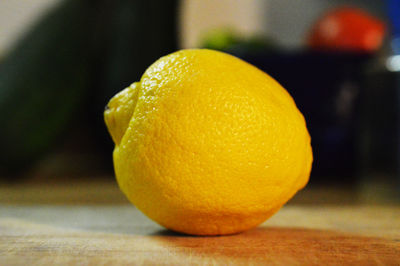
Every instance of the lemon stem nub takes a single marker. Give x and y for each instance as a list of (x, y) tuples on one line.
[(118, 112)]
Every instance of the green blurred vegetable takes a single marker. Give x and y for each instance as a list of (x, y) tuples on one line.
[(69, 65)]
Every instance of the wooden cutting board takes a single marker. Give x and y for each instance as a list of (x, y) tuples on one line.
[(121, 235)]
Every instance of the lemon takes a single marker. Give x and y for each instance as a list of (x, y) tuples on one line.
[(207, 144)]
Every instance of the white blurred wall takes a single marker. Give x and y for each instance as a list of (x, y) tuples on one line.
[(286, 21), (16, 16)]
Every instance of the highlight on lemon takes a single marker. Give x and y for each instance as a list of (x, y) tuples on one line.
[(207, 144)]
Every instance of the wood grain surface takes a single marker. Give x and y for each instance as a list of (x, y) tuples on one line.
[(121, 235)]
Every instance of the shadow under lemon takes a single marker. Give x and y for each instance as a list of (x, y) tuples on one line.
[(285, 245)]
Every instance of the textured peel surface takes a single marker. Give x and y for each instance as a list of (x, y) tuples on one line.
[(208, 144)]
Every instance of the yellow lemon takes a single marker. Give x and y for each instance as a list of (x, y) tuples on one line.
[(207, 144)]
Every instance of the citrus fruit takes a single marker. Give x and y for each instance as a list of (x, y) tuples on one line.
[(207, 144)]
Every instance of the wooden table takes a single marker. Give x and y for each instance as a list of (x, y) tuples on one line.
[(115, 233)]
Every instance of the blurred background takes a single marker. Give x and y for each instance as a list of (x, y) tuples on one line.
[(62, 60)]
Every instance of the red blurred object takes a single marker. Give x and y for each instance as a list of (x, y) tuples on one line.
[(347, 29)]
